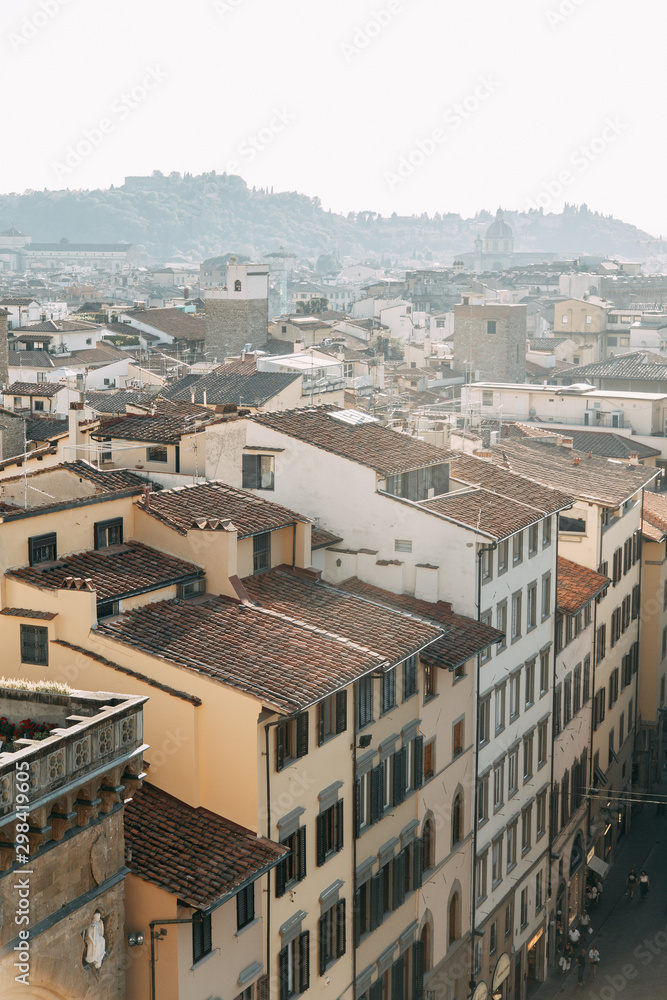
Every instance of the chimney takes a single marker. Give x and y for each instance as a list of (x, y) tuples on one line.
[(148, 489), (192, 394), (634, 458), (567, 442), (204, 397), (577, 460), (485, 455)]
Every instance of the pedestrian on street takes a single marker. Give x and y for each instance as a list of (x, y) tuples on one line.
[(631, 882), (592, 894), (568, 952), (643, 885), (581, 966), (594, 958), (574, 935), (585, 923), (560, 951)]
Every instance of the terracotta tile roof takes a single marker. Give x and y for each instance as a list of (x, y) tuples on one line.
[(109, 481), (369, 444), (30, 359), (27, 613), (603, 481), (106, 354), (117, 402), (115, 572), (175, 322), (284, 663), (194, 854), (229, 386), (642, 365), (44, 429), (464, 637), (33, 389), (183, 507), (320, 538), (478, 472), (56, 326), (577, 586), (654, 523), (165, 427), (390, 635), (602, 443)]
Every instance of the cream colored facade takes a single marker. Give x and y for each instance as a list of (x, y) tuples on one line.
[(585, 323), (652, 651)]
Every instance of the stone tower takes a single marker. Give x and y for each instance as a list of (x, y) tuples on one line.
[(238, 313), (490, 342)]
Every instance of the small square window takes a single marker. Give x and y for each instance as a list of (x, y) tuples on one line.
[(157, 453), (261, 552), (34, 644), (258, 472)]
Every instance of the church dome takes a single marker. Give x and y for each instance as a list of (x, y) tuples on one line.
[(499, 230)]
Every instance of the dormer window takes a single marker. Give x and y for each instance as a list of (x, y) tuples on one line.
[(42, 549), (109, 533)]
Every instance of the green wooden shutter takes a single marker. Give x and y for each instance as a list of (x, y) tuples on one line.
[(281, 876), (302, 734), (301, 852), (375, 990), (320, 723), (376, 793), (357, 808), (417, 863), (377, 886), (320, 840), (339, 824), (283, 973), (304, 960), (341, 711), (398, 873), (323, 941), (340, 928), (280, 746), (418, 970), (399, 776), (397, 969), (357, 917), (418, 762)]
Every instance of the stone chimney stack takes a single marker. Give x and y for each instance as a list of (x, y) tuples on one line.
[(4, 349)]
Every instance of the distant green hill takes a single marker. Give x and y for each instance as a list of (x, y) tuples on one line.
[(213, 213)]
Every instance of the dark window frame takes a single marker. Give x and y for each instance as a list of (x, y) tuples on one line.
[(103, 529), (35, 644), (48, 544), (261, 552), (202, 944), (152, 450)]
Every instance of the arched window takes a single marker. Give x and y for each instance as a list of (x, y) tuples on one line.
[(454, 918), (237, 285), (428, 838), (457, 819), (426, 941)]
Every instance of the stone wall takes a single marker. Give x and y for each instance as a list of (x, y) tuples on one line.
[(232, 323), (11, 436), (499, 357), (70, 872), (4, 350)]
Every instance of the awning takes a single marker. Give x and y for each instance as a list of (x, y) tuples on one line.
[(598, 865)]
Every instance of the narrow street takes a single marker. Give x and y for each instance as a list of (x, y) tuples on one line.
[(630, 935)]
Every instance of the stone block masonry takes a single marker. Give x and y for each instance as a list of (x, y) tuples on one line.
[(232, 323)]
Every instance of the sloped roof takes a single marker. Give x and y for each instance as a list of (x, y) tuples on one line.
[(368, 444), (642, 365), (45, 429), (186, 506), (115, 572), (29, 359), (117, 401), (603, 481), (238, 387), (320, 538), (166, 426), (175, 322), (654, 523), (194, 854), (463, 638), (33, 389), (393, 636), (577, 586)]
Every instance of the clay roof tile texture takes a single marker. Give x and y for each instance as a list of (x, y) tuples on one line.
[(194, 854), (577, 586)]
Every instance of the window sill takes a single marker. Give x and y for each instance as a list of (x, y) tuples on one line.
[(407, 697), (200, 961), (511, 867), (540, 834), (525, 851), (515, 638), (429, 698), (496, 883), (246, 926)]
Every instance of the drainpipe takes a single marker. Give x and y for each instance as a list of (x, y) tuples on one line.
[(473, 900), (195, 918), (640, 545)]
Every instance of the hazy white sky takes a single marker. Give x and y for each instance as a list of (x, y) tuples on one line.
[(393, 105)]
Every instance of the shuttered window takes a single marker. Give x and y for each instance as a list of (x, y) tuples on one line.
[(294, 966), (332, 935), (245, 906), (332, 716), (329, 832), (291, 740), (201, 936), (35, 644), (292, 869)]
